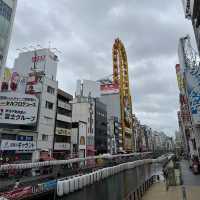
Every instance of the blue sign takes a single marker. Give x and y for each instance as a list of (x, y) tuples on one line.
[(193, 90), (24, 138), (50, 185)]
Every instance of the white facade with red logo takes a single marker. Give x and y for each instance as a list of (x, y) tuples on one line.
[(42, 60), (39, 68)]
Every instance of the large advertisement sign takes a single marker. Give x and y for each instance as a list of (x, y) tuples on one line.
[(180, 79), (109, 89), (18, 109), (34, 83), (127, 112), (193, 90), (14, 145), (13, 82)]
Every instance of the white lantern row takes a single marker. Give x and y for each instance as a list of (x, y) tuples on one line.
[(75, 183)]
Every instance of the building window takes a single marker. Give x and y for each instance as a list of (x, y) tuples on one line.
[(44, 137), (49, 105), (50, 90), (5, 10)]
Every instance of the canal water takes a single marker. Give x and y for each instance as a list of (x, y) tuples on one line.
[(116, 187)]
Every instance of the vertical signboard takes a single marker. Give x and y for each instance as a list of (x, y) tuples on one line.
[(193, 90)]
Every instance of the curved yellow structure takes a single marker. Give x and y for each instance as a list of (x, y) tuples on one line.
[(120, 77)]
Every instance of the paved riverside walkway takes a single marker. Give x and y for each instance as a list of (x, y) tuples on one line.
[(190, 190), (158, 192)]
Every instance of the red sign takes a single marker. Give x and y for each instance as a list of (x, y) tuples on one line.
[(18, 193), (109, 88), (38, 58), (178, 68)]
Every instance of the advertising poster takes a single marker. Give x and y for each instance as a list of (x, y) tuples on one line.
[(34, 83), (16, 108), (109, 88), (127, 112), (193, 90), (180, 79), (13, 82)]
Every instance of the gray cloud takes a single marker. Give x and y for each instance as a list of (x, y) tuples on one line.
[(84, 32)]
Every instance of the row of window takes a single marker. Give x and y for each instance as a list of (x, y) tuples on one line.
[(45, 137), (5, 10), (50, 90), (49, 105), (64, 112)]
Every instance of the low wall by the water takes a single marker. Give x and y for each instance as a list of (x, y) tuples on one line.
[(115, 182), (119, 178)]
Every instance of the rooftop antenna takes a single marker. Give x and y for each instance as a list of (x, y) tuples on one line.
[(49, 44)]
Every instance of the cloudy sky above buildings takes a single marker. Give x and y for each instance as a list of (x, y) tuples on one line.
[(84, 31)]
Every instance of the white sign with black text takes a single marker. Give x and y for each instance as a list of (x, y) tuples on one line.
[(13, 145), (18, 109)]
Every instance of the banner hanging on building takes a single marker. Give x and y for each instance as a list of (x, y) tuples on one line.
[(193, 90), (18, 109)]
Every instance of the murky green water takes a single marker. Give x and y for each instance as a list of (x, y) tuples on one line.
[(116, 187)]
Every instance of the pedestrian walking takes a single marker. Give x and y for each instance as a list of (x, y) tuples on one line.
[(166, 177)]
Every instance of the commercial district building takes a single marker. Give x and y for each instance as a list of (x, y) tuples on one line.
[(39, 121), (188, 81), (7, 14)]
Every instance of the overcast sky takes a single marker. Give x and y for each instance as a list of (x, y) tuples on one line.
[(84, 31)]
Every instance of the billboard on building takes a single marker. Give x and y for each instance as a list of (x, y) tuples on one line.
[(34, 83), (13, 82), (63, 131), (17, 109), (109, 89), (193, 91), (180, 79), (13, 145)]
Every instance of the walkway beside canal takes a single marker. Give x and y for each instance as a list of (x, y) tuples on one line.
[(190, 190), (158, 192)]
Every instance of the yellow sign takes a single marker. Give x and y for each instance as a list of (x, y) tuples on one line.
[(82, 140), (7, 74), (63, 131)]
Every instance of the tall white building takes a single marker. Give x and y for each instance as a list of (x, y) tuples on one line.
[(7, 14), (41, 68), (83, 109)]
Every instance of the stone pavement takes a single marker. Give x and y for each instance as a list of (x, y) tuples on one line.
[(190, 190), (158, 192)]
